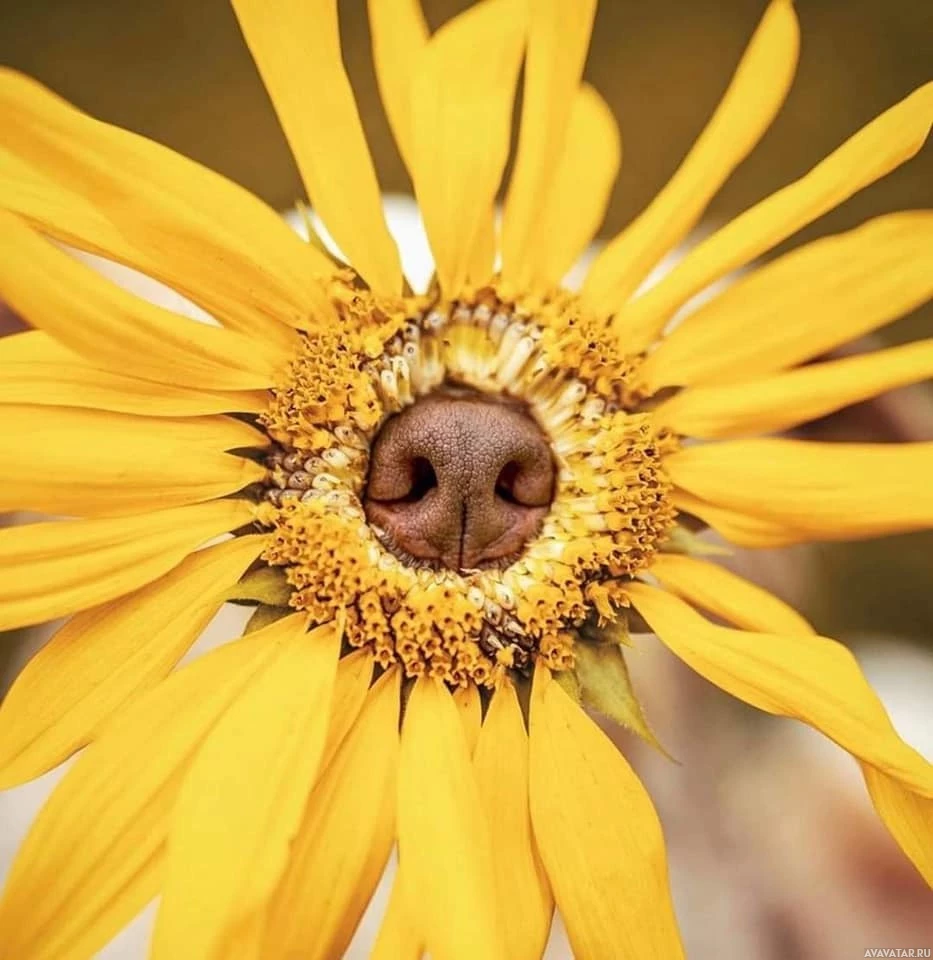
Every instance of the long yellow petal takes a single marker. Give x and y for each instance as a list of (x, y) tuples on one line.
[(397, 938), (296, 46), (877, 149), (501, 765), (599, 835), (94, 856), (351, 686), (786, 399), (344, 840), (399, 34), (724, 593), (242, 800), (754, 97), (803, 304), (445, 854), (576, 204), (908, 816), (104, 657), (93, 463), (56, 568), (460, 122), (827, 489), (98, 320), (798, 675), (38, 370), (558, 39), (740, 528), (127, 198), (467, 701)]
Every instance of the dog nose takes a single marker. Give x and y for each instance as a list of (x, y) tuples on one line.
[(460, 479)]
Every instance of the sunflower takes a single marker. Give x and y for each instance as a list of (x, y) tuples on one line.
[(446, 507)]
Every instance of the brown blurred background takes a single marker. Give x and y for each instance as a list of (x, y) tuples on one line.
[(178, 71), (774, 853)]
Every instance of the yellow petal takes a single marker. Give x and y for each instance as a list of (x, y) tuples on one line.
[(786, 399), (598, 834), (576, 204), (798, 675), (468, 703), (726, 594), (296, 46), (397, 938), (801, 305), (52, 569), (444, 844), (94, 856), (344, 840), (501, 765), (877, 149), (354, 672), (104, 657), (242, 800), (399, 33), (754, 97), (98, 320), (834, 490), (908, 816), (38, 370), (93, 463), (460, 122), (558, 39), (738, 527), (120, 195)]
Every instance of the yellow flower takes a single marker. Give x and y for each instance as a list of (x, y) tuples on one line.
[(260, 790)]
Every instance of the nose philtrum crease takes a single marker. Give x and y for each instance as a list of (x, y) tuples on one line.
[(460, 479)]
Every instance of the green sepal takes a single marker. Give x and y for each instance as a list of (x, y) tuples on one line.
[(264, 615), (606, 687), (265, 585), (614, 632), (568, 681), (682, 540)]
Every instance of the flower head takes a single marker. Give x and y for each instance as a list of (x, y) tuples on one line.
[(444, 505)]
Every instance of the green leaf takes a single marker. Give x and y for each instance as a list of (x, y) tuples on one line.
[(263, 616), (606, 687), (266, 585)]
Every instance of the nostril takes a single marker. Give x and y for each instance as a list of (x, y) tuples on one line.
[(423, 479), (505, 483)]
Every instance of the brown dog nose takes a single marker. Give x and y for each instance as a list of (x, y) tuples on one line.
[(460, 479)]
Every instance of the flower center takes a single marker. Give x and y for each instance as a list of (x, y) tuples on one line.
[(468, 481), (459, 479)]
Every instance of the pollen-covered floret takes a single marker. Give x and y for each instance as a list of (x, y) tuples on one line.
[(610, 513)]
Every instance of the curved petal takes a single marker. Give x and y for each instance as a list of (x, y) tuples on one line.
[(558, 39), (102, 658), (805, 303), (53, 569), (598, 834), (787, 399), (501, 766), (726, 594), (296, 46), (94, 856), (37, 370), (467, 700), (804, 676), (460, 123), (397, 938), (93, 463), (827, 489), (351, 686), (98, 320), (740, 528), (399, 34), (754, 97), (576, 203), (877, 149), (444, 843), (242, 800), (117, 194), (908, 816), (344, 840)]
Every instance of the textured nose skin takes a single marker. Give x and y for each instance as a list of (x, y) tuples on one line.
[(460, 479)]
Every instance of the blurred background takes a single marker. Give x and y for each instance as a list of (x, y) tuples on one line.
[(775, 854)]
